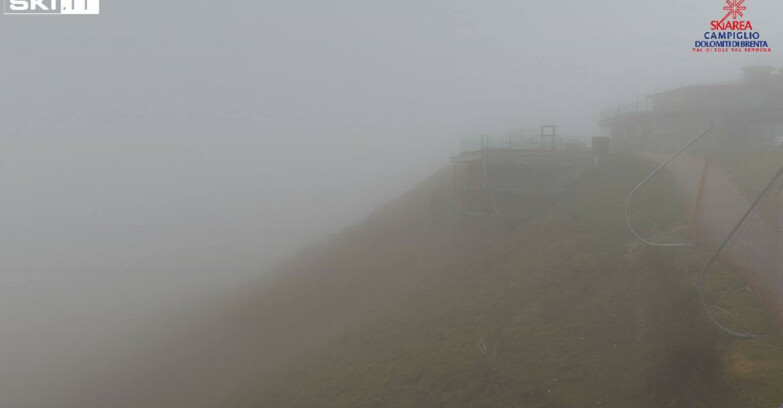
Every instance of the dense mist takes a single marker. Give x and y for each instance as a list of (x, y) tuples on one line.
[(159, 156)]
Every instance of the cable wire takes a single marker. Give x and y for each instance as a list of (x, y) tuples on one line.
[(717, 251), (645, 180)]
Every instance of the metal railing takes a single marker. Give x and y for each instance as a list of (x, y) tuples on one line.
[(521, 142), (640, 105)]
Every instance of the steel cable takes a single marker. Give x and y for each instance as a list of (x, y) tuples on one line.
[(645, 180), (718, 250)]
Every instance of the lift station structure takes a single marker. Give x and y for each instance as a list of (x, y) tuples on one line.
[(519, 175)]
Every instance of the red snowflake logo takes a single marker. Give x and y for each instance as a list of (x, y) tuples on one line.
[(734, 8)]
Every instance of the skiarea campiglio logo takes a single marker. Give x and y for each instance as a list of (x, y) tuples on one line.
[(732, 33)]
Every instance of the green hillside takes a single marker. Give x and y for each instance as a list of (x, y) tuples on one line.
[(565, 311)]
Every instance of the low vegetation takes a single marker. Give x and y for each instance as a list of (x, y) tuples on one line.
[(567, 310)]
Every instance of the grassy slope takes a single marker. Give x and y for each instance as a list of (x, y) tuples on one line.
[(326, 290), (754, 368), (751, 166), (567, 311)]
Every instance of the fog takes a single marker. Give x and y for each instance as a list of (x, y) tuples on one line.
[(163, 153)]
